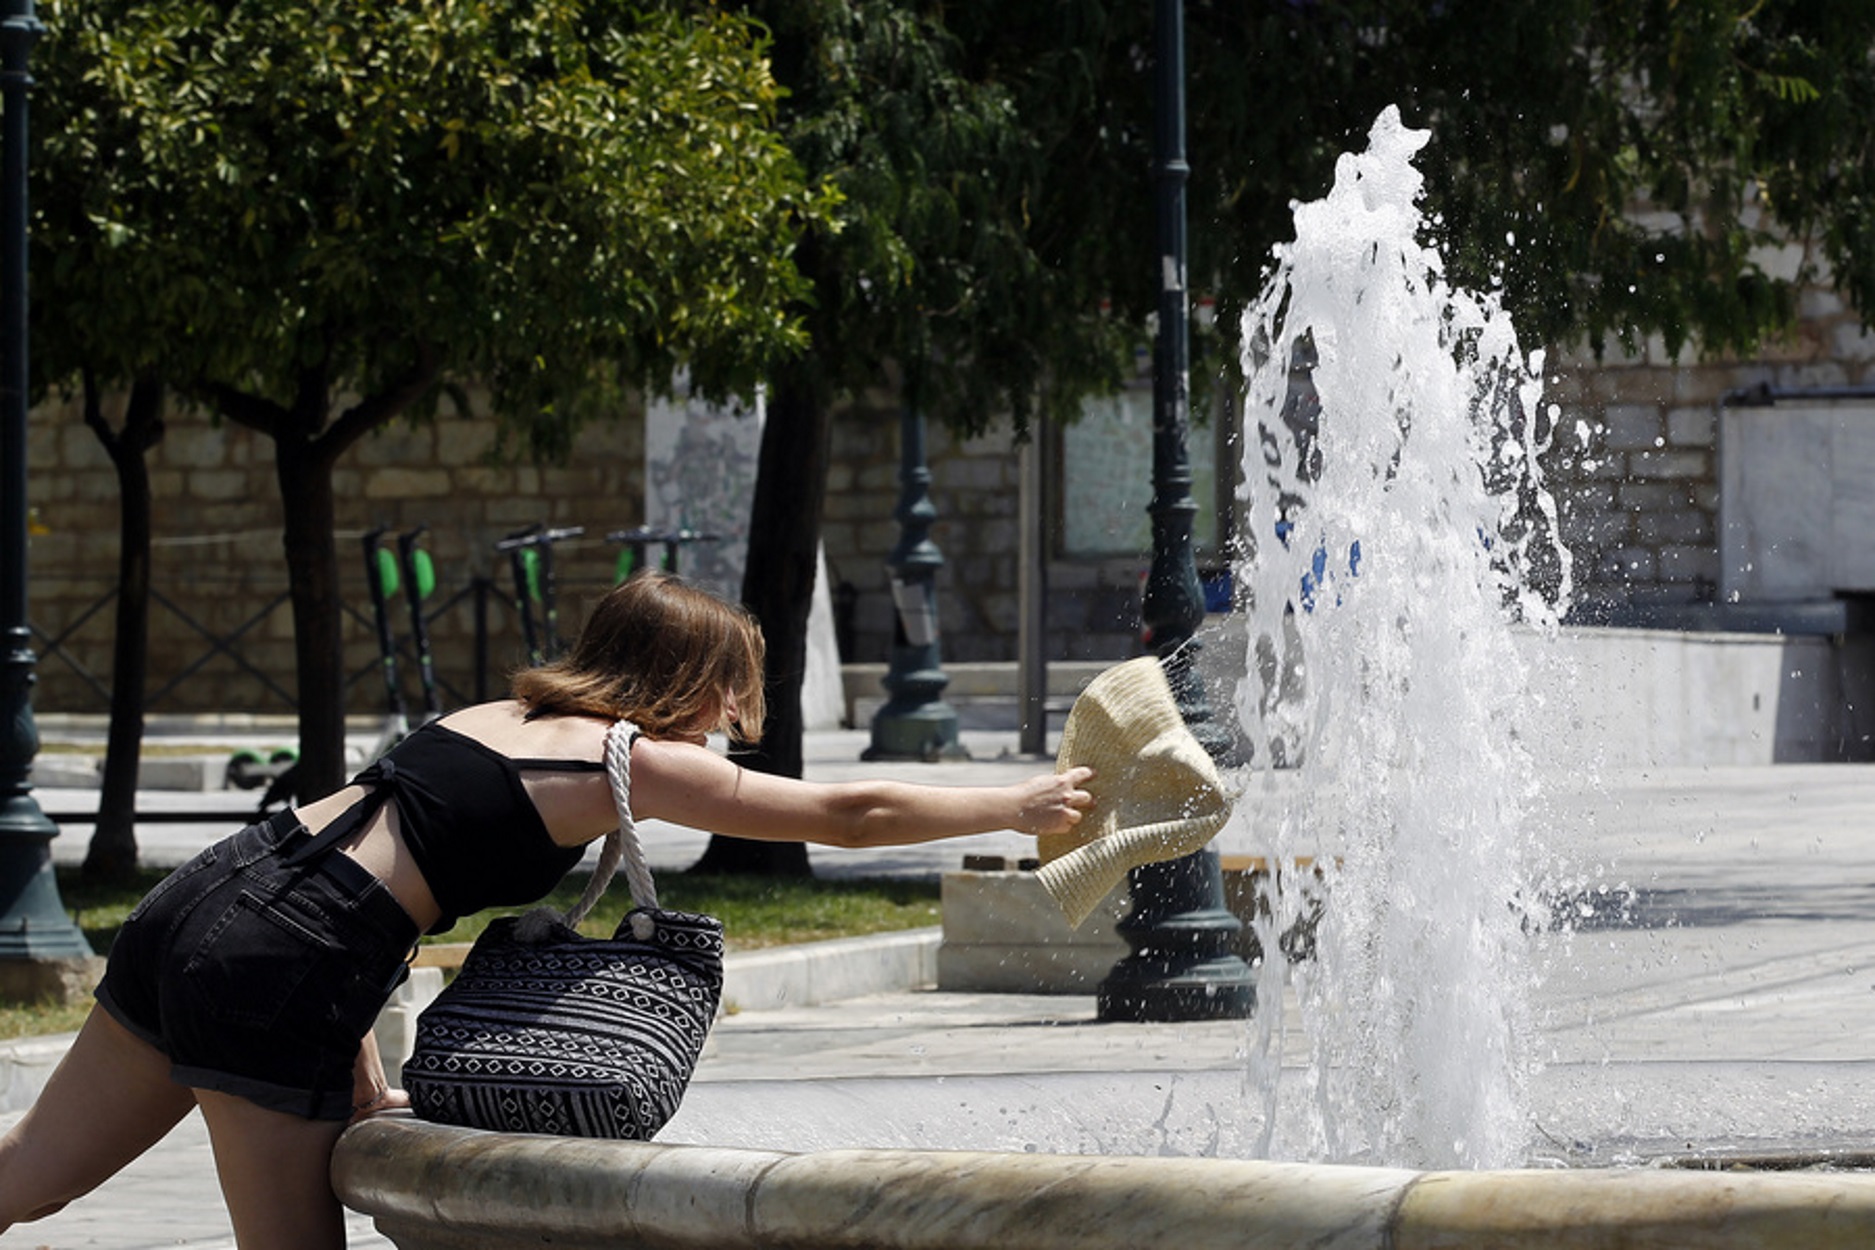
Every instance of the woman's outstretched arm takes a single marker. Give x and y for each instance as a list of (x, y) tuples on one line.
[(691, 785)]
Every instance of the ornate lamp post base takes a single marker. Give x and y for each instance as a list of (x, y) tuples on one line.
[(1183, 936), (33, 923), (926, 732), (916, 723), (1182, 966)]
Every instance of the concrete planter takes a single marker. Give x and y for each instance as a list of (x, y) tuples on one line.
[(1004, 935)]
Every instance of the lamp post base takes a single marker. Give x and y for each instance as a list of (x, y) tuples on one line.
[(1216, 990), (926, 732), (1182, 966), (33, 923)]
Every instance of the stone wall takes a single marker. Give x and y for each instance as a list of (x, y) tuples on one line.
[(220, 572), (1635, 468), (1092, 604)]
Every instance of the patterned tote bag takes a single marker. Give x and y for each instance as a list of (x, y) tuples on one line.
[(546, 1031)]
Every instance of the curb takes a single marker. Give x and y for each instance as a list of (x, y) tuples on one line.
[(825, 972)]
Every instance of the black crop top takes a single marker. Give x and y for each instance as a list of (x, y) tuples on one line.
[(476, 836)]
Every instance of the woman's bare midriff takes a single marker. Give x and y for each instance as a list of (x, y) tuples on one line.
[(380, 850)]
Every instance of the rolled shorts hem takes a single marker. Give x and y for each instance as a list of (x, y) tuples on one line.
[(130, 1026), (306, 1104)]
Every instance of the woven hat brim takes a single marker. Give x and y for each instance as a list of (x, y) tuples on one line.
[(1157, 794), (1080, 879)]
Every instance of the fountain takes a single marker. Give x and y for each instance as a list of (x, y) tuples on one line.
[(1401, 537), (1392, 435)]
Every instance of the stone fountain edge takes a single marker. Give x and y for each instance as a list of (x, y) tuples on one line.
[(434, 1187)]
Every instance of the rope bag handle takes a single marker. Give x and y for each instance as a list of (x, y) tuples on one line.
[(621, 848)]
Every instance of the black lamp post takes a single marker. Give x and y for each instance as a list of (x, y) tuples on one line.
[(1182, 965), (33, 923), (915, 723)]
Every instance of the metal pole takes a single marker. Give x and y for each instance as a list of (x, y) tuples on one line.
[(33, 923), (915, 723), (1181, 933), (1032, 592)]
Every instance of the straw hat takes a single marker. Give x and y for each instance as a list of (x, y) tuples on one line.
[(1156, 791)]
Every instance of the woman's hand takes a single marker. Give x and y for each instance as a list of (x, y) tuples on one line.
[(1052, 802), (385, 1099), (371, 1089)]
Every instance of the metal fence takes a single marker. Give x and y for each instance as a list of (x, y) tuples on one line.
[(216, 647)]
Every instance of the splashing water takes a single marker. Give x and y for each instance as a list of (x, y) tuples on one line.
[(1400, 528)]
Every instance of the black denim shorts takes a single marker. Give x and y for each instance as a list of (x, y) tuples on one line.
[(258, 975)]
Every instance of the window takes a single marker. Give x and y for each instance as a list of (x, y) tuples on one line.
[(1106, 478)]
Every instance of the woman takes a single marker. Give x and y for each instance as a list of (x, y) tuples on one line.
[(246, 982)]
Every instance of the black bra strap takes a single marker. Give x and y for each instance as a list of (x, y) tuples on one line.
[(559, 766)]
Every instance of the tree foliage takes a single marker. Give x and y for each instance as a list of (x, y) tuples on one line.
[(310, 214), (524, 189), (1617, 169), (996, 164), (936, 265)]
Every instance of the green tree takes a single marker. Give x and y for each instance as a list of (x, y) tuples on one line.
[(1616, 168), (930, 267), (997, 235), (310, 215)]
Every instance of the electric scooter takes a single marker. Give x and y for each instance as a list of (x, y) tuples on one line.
[(381, 578), (419, 583), (530, 556)]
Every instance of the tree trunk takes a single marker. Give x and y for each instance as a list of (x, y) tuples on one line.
[(304, 470), (112, 852), (305, 451), (778, 586)]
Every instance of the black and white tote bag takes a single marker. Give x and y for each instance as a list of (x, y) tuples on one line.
[(546, 1031)]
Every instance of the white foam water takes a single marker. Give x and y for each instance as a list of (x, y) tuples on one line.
[(1393, 428)]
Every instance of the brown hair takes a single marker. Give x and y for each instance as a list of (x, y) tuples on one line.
[(660, 653)]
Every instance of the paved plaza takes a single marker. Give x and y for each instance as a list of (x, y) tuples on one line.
[(1737, 1008)]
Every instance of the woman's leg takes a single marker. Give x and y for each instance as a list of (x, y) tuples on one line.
[(109, 1100), (276, 1174)]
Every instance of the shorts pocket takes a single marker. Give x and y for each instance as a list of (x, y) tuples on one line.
[(253, 961)]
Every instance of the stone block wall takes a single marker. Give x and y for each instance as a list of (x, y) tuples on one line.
[(1635, 468), (220, 572), (1636, 465), (1092, 607)]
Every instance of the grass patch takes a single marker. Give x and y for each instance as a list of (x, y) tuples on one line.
[(99, 909), (756, 912)]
